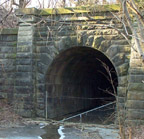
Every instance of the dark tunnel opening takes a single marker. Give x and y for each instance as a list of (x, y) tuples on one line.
[(77, 80)]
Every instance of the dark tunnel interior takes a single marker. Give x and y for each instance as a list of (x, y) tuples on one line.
[(79, 79)]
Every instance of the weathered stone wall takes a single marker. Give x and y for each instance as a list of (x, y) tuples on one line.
[(135, 94), (43, 35), (40, 42), (8, 43)]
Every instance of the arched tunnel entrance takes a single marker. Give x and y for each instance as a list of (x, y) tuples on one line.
[(78, 80)]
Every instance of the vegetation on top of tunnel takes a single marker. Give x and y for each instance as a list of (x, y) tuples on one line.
[(82, 9), (137, 16)]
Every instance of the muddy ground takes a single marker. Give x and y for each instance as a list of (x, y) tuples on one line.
[(34, 129)]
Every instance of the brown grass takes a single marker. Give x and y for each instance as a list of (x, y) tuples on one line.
[(8, 118), (135, 132)]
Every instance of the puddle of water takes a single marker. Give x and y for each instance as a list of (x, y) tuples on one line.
[(55, 132), (61, 133), (51, 132)]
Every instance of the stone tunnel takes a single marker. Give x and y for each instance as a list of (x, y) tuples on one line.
[(56, 62), (79, 79)]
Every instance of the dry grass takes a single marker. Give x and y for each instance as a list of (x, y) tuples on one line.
[(8, 118), (135, 132)]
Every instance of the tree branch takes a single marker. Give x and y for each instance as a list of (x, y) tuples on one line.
[(137, 41)]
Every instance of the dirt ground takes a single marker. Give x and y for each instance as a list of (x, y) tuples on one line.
[(33, 129)]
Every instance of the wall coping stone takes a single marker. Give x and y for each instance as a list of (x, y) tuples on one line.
[(68, 10), (9, 31)]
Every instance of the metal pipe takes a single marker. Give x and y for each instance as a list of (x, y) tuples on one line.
[(46, 105), (88, 111)]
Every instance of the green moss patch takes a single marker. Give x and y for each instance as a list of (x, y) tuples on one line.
[(67, 10), (12, 31), (81, 9), (27, 11)]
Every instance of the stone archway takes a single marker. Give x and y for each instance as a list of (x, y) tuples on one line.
[(77, 80)]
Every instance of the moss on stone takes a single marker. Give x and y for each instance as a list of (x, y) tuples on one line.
[(81, 9), (12, 31), (62, 11), (99, 17), (27, 11)]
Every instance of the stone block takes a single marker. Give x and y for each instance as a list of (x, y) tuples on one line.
[(7, 68), (112, 51), (25, 32), (120, 106), (7, 74), (23, 55), (124, 48), (136, 63), (135, 104), (113, 37), (80, 38), (133, 114), (97, 42), (136, 78), (24, 112), (106, 32), (23, 82), (104, 45), (27, 90), (65, 33), (135, 95), (7, 62), (136, 87), (42, 68), (42, 33), (119, 42), (25, 28), (40, 78), (40, 106), (136, 70), (24, 48), (9, 31), (23, 75), (122, 69), (2, 56), (43, 49), (27, 11), (43, 43), (8, 44), (25, 38), (123, 81), (45, 58), (41, 87), (23, 61), (118, 59), (8, 49), (24, 44), (40, 113), (24, 68), (44, 38), (28, 19), (89, 41), (122, 91), (8, 38), (10, 56), (121, 100)]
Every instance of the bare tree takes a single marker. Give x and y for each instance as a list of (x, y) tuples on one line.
[(132, 7), (21, 3)]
